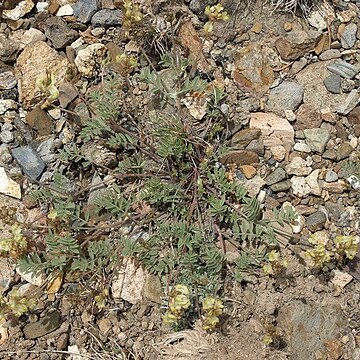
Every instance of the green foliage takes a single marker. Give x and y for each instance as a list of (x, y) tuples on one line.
[(14, 304)]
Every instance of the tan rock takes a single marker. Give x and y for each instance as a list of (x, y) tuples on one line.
[(21, 9), (240, 157), (278, 152), (275, 130), (248, 171), (36, 59), (40, 121), (89, 58), (8, 186)]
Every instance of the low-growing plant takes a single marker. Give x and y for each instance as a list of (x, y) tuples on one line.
[(15, 305)]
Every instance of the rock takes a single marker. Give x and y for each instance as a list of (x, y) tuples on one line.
[(129, 281), (309, 327), (354, 116), (337, 187), (307, 117), (330, 54), (315, 93), (8, 186), (65, 10), (344, 150), (20, 10), (279, 174), (257, 146), (298, 167), (85, 9), (240, 157), (104, 325), (316, 222), (334, 210), (67, 93), (331, 176), (340, 280), (106, 18), (281, 186), (7, 80), (6, 105), (46, 150), (343, 69), (302, 187), (253, 72), (44, 326), (278, 152), (87, 59), (152, 290), (254, 185), (40, 121), (302, 147), (244, 137), (347, 85), (6, 136), (29, 161), (27, 37), (35, 60), (333, 83), (341, 132), (350, 102), (317, 139), (348, 36), (248, 171), (8, 49), (287, 96), (6, 273), (354, 181), (98, 154), (297, 44), (274, 129), (59, 33)]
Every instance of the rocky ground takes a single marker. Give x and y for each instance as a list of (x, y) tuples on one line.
[(293, 109)]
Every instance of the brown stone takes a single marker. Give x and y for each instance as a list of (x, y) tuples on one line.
[(53, 7), (40, 121), (240, 157), (244, 137), (248, 171), (307, 117), (354, 116), (357, 130), (67, 93)]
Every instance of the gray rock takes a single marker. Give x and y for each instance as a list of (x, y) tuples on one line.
[(302, 147), (330, 54), (348, 36), (67, 93), (347, 85), (331, 176), (287, 96), (329, 154), (317, 139), (334, 210), (350, 102), (257, 146), (309, 327), (281, 186), (46, 150), (43, 326), (333, 83), (6, 136), (106, 18), (85, 9), (343, 151), (59, 33), (7, 80), (315, 222), (276, 176), (343, 69), (29, 160)]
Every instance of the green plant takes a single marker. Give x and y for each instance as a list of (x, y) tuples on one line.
[(46, 84), (14, 304), (14, 246), (214, 13), (212, 308)]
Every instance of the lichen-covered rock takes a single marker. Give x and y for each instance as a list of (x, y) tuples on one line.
[(88, 59)]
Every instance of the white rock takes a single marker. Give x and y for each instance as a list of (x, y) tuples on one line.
[(28, 37), (354, 142), (302, 147), (19, 11), (87, 59), (66, 10), (6, 105), (274, 129), (341, 279), (290, 115), (42, 6), (75, 353), (129, 282), (312, 181), (254, 185), (77, 43), (299, 186), (8, 186), (297, 167), (354, 181)]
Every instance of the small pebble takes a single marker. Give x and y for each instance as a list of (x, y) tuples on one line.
[(6, 136), (331, 176)]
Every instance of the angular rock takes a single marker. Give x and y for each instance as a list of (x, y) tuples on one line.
[(253, 72), (287, 96), (298, 167), (6, 274), (87, 59), (278, 152), (106, 18), (333, 84), (243, 138), (44, 326), (7, 80), (8, 186), (279, 174), (331, 176), (254, 185), (350, 102), (29, 160), (310, 327), (302, 187), (24, 38), (40, 121), (240, 157), (302, 147), (6, 105), (344, 150), (297, 44), (307, 117), (343, 69), (315, 93), (348, 36), (354, 116), (20, 10), (337, 187), (274, 129), (37, 59), (85, 9), (67, 93), (281, 186), (65, 10), (316, 222), (330, 54), (248, 171), (317, 139), (152, 290), (58, 32)]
